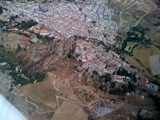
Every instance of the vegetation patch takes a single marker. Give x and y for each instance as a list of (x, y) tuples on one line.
[(2, 23), (134, 36), (11, 59), (1, 10), (24, 25)]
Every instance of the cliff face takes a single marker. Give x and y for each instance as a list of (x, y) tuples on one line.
[(39, 56), (44, 55)]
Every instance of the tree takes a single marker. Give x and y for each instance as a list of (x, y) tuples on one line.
[(123, 72), (124, 44), (112, 85), (69, 55), (13, 17), (93, 22), (107, 77), (1, 10), (95, 72), (18, 79), (131, 88), (2, 23), (40, 76), (24, 25), (118, 38), (133, 76), (116, 91), (125, 88), (18, 48), (90, 118)]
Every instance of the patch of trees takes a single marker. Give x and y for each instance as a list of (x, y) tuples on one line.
[(156, 83), (18, 79), (100, 82), (40, 76), (95, 72), (2, 23), (131, 87), (157, 24), (156, 101), (135, 34), (13, 17), (70, 56), (47, 38), (18, 48), (1, 10), (94, 23), (118, 38), (157, 46), (24, 25), (8, 57), (5, 30), (44, 38), (107, 77), (90, 118), (123, 72), (89, 31), (124, 44), (118, 91), (112, 85), (121, 90), (70, 0), (132, 36), (158, 17), (104, 45), (49, 115)]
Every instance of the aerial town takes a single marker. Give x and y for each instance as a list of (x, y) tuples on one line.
[(92, 20), (81, 59)]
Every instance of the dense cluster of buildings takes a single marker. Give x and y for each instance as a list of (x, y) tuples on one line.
[(68, 19), (96, 58)]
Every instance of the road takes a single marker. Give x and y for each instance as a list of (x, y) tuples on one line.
[(128, 6), (144, 16)]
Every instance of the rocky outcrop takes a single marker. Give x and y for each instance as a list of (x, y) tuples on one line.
[(45, 55)]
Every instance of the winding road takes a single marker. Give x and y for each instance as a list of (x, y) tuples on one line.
[(144, 16), (127, 6)]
